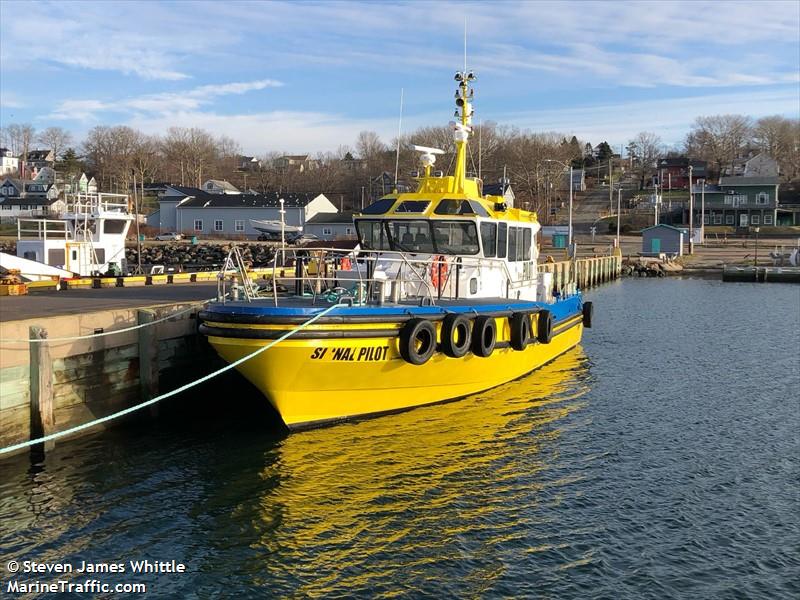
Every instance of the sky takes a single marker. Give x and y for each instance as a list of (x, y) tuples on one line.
[(308, 76)]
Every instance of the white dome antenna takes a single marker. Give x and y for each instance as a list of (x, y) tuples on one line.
[(428, 158)]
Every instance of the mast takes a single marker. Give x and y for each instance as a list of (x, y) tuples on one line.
[(462, 128)]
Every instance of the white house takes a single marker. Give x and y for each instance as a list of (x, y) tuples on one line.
[(25, 198), (217, 186), (761, 165), (9, 164), (194, 211)]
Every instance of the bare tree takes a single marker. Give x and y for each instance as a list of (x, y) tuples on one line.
[(56, 139), (193, 150), (647, 148), (718, 139), (779, 137)]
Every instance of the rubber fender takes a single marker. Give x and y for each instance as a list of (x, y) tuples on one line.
[(544, 327), (417, 341), (456, 335), (588, 313), (484, 336), (520, 325)]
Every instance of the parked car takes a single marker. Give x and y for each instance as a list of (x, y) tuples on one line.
[(304, 239), (168, 237)]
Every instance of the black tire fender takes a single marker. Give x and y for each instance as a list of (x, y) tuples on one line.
[(544, 327), (456, 335), (484, 336), (520, 325), (417, 341), (588, 313)]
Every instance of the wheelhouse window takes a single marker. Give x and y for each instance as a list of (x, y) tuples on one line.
[(113, 226), (526, 244), (460, 207), (489, 239), (412, 206), (502, 236), (372, 235), (411, 236), (455, 237), (512, 243), (379, 207)]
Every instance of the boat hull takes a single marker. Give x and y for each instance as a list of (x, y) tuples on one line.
[(317, 381)]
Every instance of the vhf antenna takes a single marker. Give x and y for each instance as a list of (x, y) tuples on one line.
[(399, 130)]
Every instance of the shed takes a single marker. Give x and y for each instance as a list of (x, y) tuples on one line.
[(662, 239)]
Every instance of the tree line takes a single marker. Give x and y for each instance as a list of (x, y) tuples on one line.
[(351, 176)]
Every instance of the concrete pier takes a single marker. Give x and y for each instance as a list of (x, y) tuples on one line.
[(53, 385)]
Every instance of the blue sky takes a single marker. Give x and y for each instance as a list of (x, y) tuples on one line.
[(307, 77)]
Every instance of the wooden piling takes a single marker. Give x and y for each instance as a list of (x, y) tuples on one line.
[(41, 390), (148, 357)]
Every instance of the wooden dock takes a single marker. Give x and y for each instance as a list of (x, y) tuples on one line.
[(585, 272)]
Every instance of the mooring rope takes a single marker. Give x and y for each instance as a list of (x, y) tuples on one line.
[(112, 332), (183, 388)]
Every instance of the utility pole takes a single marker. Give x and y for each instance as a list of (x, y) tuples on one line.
[(571, 184), (619, 202), (691, 213), (610, 188), (703, 212)]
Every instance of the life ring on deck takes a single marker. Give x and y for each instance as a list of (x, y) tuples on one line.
[(484, 336), (345, 264), (417, 341), (456, 335), (544, 327), (438, 271), (588, 313), (520, 325)]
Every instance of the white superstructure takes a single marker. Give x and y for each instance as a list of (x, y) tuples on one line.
[(87, 239)]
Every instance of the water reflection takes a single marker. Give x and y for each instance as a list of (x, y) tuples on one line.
[(351, 507)]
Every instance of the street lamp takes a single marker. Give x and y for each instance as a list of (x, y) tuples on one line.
[(569, 234), (283, 236)]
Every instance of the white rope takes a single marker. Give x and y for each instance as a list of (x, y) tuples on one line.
[(123, 330), (183, 388)]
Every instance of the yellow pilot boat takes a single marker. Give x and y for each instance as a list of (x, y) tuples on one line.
[(441, 299)]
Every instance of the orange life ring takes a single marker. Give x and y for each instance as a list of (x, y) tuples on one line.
[(345, 264), (438, 271)]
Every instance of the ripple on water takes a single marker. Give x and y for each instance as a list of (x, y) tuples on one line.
[(660, 460)]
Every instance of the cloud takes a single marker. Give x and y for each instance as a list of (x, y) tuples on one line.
[(167, 102), (9, 100), (289, 131), (670, 118), (97, 36)]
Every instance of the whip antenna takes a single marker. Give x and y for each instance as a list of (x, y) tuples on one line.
[(399, 129)]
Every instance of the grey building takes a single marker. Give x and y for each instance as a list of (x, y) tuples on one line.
[(331, 226), (194, 211), (662, 239)]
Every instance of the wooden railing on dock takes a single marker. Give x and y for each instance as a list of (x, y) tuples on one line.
[(586, 272)]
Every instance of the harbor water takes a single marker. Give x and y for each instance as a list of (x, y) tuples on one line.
[(661, 459)]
